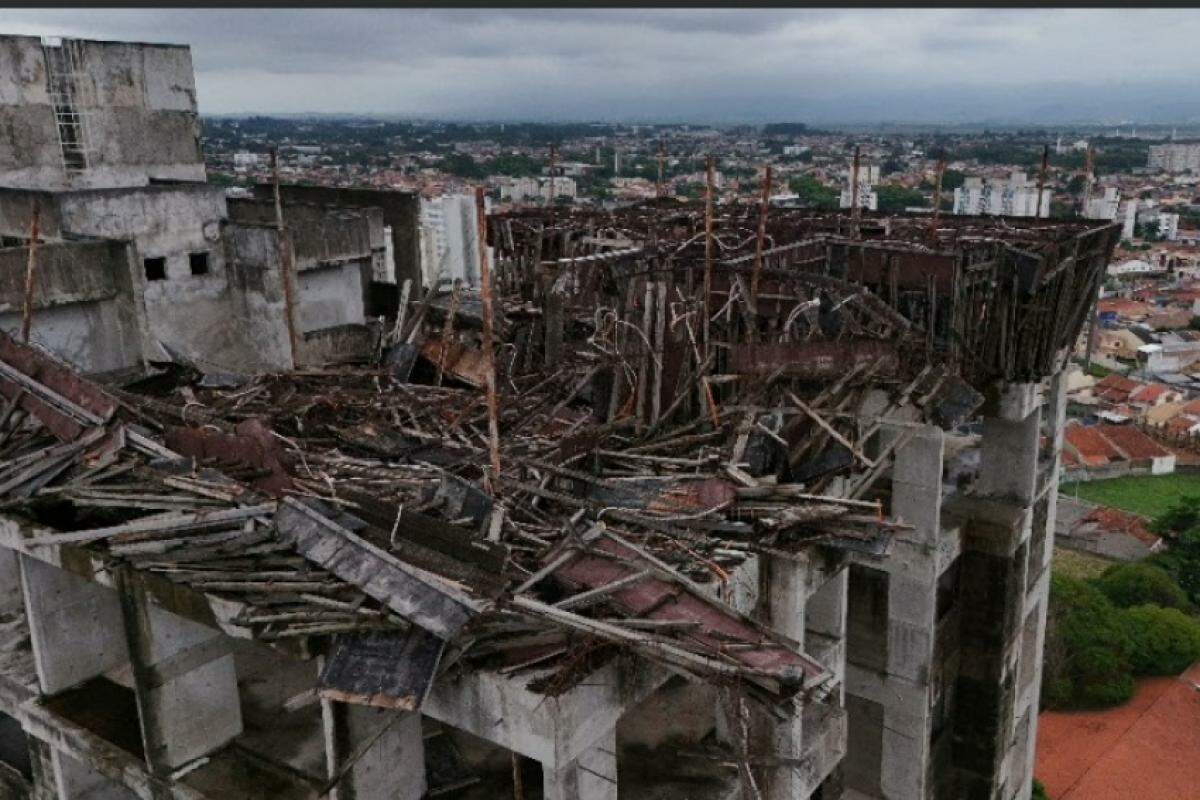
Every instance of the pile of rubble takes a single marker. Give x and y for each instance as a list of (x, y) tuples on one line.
[(659, 395)]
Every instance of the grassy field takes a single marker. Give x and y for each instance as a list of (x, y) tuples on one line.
[(1149, 495), (1079, 565)]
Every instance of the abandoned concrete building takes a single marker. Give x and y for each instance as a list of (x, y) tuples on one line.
[(102, 139), (675, 511)]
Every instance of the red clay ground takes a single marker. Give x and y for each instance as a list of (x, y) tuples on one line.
[(1147, 749)]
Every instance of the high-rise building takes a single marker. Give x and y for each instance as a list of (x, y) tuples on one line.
[(1015, 196), (868, 177), (1175, 157), (1106, 206)]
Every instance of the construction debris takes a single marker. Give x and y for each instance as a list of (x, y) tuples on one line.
[(671, 398)]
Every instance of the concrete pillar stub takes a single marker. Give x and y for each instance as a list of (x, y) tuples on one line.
[(591, 776), (198, 711), (393, 766), (74, 780), (1009, 446), (75, 626)]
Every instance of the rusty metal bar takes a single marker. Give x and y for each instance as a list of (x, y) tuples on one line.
[(286, 262), (30, 265), (937, 199), (1041, 184), (662, 157), (765, 204), (709, 247), (489, 354), (855, 211)]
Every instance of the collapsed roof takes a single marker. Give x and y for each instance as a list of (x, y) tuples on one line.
[(672, 392)]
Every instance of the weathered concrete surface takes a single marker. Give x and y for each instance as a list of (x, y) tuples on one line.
[(138, 103), (83, 309)]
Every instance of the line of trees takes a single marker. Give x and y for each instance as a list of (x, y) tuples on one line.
[(1134, 619)]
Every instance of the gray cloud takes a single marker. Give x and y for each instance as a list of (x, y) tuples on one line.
[(673, 64)]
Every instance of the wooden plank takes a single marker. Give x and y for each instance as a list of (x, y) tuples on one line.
[(416, 595), (160, 523)]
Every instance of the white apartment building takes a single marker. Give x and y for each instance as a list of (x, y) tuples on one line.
[(1175, 157), (449, 239), (1016, 196), (868, 177), (522, 190), (246, 160), (1106, 206)]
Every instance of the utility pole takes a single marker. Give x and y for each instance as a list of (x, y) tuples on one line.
[(1041, 184), (286, 265), (30, 265)]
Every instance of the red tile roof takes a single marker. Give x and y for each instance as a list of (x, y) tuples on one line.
[(1132, 442), (1147, 749), (1090, 446), (1115, 388), (1149, 393), (1114, 520)]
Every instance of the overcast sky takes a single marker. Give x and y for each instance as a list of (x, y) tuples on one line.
[(941, 65)]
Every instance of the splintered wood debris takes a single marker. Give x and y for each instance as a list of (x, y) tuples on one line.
[(673, 395)]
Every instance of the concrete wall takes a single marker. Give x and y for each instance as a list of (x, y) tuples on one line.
[(256, 294), (83, 309), (187, 312), (138, 103), (400, 210), (331, 296)]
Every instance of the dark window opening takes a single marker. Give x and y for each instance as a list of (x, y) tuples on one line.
[(947, 589), (199, 263), (156, 268)]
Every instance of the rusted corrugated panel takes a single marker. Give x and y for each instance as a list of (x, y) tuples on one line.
[(252, 444), (718, 631), (464, 363), (913, 270), (817, 360), (60, 379)]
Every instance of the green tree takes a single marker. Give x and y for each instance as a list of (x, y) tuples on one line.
[(952, 179), (1163, 641), (894, 198), (1136, 584), (814, 193), (462, 165), (1039, 791), (1087, 648)]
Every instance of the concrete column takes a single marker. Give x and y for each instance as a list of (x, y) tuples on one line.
[(591, 776), (1007, 540), (888, 673), (75, 626), (787, 597), (1008, 449), (71, 779), (184, 679), (384, 748)]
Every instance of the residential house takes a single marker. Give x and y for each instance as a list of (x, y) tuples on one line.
[(1111, 533), (1120, 343)]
